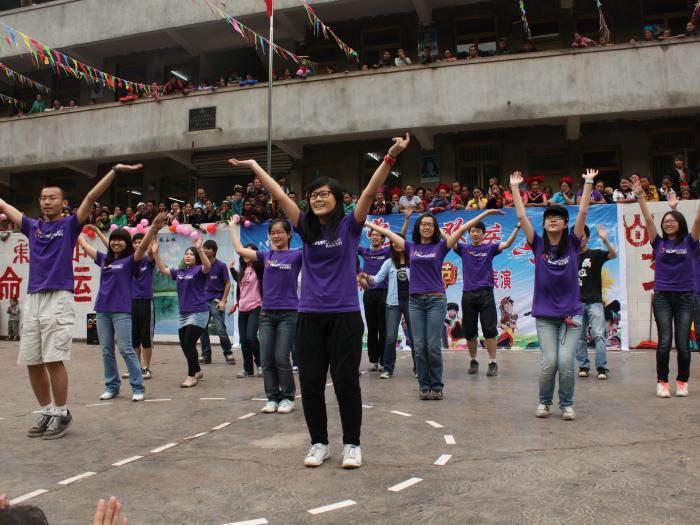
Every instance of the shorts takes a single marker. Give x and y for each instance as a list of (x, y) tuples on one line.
[(46, 327), (200, 319), (479, 305), (142, 323)]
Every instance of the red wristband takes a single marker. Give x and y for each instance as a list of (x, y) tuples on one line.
[(390, 160)]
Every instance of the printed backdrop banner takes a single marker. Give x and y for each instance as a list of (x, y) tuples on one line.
[(513, 275)]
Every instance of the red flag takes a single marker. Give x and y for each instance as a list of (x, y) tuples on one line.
[(269, 7)]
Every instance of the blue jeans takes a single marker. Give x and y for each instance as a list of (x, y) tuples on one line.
[(393, 321), (277, 331), (220, 324), (593, 315), (111, 326), (558, 342), (673, 312), (427, 313)]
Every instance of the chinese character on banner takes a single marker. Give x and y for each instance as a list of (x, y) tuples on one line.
[(79, 253), (82, 292), (449, 274), (505, 279), (648, 286), (9, 284), (21, 253), (495, 278), (523, 250), (493, 234), (637, 234), (452, 226)]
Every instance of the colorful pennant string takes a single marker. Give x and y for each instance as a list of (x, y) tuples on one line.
[(10, 100), (523, 17), (604, 30), (319, 27), (21, 79)]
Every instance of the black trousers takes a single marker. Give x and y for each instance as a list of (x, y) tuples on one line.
[(375, 314), (189, 335), (330, 341)]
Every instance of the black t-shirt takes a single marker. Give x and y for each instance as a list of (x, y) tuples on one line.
[(590, 265), (402, 282)]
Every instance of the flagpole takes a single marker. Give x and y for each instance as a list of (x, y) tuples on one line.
[(269, 91)]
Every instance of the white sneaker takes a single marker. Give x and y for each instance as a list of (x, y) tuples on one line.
[(380, 368), (352, 456), (269, 408), (137, 397), (258, 372), (385, 375), (568, 414), (108, 395), (318, 453), (681, 388), (662, 389), (542, 410), (285, 407)]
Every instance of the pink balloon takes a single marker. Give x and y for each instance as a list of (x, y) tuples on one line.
[(113, 227), (144, 222), (3, 217), (194, 236), (187, 229), (175, 223), (236, 218), (247, 224), (139, 229)]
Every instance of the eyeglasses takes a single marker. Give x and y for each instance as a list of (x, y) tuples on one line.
[(319, 195), (555, 218), (670, 221)]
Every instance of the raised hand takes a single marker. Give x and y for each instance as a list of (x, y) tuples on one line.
[(154, 247), (4, 501), (637, 189), (234, 220), (602, 232), (108, 514), (92, 227), (400, 144), (494, 212), (126, 167), (198, 243), (408, 211), (242, 163), (516, 178), (672, 200), (159, 221), (590, 175)]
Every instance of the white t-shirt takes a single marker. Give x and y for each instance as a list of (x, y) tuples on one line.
[(413, 202)]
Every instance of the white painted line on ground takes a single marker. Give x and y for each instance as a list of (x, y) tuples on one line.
[(333, 506), (367, 406), (197, 435), (434, 424), (98, 404), (28, 495), (329, 384), (246, 416), (37, 412), (76, 478), (212, 399), (222, 425), (2, 418), (442, 460), (162, 448), (363, 372), (450, 439), (403, 357), (157, 400), (405, 484), (258, 521), (125, 461), (259, 399), (298, 397), (399, 413)]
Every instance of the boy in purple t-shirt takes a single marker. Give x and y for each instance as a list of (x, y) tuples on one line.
[(47, 319), (217, 290)]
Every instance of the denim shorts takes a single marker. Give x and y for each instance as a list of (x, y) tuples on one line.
[(200, 319)]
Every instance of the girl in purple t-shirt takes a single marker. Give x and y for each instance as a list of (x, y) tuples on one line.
[(329, 326), (192, 303), (673, 300), (113, 305), (556, 303)]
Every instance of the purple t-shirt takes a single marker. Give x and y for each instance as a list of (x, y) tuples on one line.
[(696, 270), (51, 246), (216, 282), (329, 281), (426, 267), (116, 281), (557, 292), (674, 264), (373, 260), (190, 289), (477, 265), (143, 280), (282, 269)]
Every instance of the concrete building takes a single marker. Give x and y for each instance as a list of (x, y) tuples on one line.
[(621, 108)]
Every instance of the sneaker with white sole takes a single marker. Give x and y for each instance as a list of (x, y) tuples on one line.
[(352, 456), (568, 414), (583, 372), (662, 389), (138, 397), (285, 407), (147, 374), (602, 375), (109, 395), (269, 408), (318, 453), (385, 375), (681, 388), (542, 410)]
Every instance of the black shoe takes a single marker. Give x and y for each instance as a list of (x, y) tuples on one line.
[(473, 367), (230, 359), (424, 395), (436, 395), (583, 372), (205, 360), (39, 426), (58, 426), (493, 370)]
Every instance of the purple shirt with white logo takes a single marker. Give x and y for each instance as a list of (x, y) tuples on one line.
[(143, 280), (190, 289), (329, 279), (673, 262), (282, 269), (116, 281), (216, 282), (373, 260), (51, 246), (426, 267), (557, 292), (477, 265)]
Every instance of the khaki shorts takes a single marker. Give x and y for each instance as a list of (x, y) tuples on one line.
[(46, 327)]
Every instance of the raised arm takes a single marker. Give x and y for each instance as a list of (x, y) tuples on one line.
[(247, 254), (695, 229), (603, 234), (156, 225), (382, 274), (287, 204), (89, 250), (648, 219), (365, 199), (516, 179), (393, 237), (510, 240), (453, 239), (206, 263), (99, 234), (406, 219), (96, 192), (589, 180), (162, 267), (13, 214)]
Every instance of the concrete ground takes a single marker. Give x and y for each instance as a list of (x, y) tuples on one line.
[(629, 458)]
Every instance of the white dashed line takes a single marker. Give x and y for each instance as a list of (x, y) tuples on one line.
[(125, 461), (222, 425), (442, 460), (367, 406), (363, 372), (258, 521), (37, 412), (450, 439), (212, 399), (98, 404), (333, 506), (246, 416), (162, 448), (259, 399), (76, 478), (157, 400), (298, 397), (398, 413), (27, 496), (405, 484), (403, 357), (434, 424), (197, 435)]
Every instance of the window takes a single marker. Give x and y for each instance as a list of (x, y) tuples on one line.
[(479, 31), (370, 160), (547, 163), (672, 14), (666, 144), (376, 41), (478, 162), (546, 34), (607, 162), (128, 188), (183, 188), (588, 26)]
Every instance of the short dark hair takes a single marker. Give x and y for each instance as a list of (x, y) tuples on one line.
[(479, 226), (138, 236), (415, 236), (211, 244), (120, 234), (682, 225), (63, 193)]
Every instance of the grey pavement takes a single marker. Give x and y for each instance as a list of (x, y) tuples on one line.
[(629, 458)]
